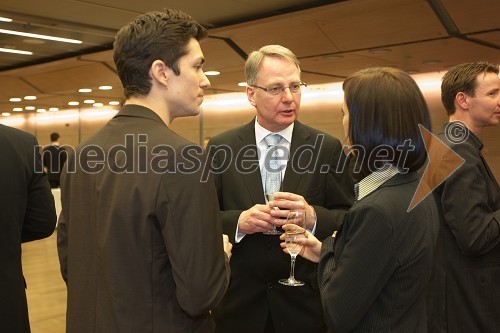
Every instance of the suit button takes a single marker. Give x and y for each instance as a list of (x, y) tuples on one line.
[(270, 285)]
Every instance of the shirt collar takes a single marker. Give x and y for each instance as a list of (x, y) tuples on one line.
[(261, 132), (374, 180), (469, 135)]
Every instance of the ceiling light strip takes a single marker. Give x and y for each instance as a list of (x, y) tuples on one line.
[(27, 34), (15, 51)]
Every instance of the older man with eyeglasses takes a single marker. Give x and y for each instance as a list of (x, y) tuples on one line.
[(314, 177)]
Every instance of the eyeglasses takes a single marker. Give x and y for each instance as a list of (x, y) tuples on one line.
[(276, 89)]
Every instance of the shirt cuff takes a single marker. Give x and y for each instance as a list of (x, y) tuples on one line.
[(238, 236), (315, 221)]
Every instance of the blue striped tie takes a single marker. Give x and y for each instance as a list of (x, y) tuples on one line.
[(272, 165)]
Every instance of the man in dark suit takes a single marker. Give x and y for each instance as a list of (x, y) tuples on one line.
[(54, 157), (464, 294), (139, 238), (27, 213), (315, 179)]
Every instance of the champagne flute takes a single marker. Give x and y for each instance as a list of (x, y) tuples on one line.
[(295, 231), (272, 185)]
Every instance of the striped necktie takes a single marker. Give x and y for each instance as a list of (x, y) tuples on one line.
[(272, 165)]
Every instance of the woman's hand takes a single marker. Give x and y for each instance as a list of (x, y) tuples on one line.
[(311, 246)]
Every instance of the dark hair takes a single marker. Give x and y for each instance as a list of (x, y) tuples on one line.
[(153, 36), (462, 78), (54, 137), (385, 108)]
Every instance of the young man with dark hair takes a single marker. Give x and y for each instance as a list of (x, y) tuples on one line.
[(140, 242)]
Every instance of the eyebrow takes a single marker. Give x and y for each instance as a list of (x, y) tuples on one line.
[(280, 84)]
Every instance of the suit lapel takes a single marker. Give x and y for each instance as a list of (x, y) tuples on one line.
[(490, 173), (252, 180)]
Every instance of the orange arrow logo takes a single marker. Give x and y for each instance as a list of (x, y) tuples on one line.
[(442, 162)]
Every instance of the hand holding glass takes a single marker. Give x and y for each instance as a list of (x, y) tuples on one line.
[(295, 231)]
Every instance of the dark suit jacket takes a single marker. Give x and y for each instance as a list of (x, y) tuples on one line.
[(373, 276), (54, 158), (464, 294), (139, 238), (258, 262), (27, 212)]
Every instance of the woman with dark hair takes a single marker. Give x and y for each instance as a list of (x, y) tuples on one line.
[(373, 272)]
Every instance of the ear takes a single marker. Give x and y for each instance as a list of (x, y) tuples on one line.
[(251, 95), (461, 100), (160, 72)]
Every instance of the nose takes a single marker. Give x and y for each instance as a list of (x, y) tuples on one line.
[(204, 82), (286, 95)]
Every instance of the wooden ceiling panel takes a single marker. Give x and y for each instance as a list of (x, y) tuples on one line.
[(315, 77), (47, 67), (46, 50), (67, 13), (219, 55), (7, 58), (350, 30), (425, 57), (98, 96), (15, 87), (303, 38), (377, 25), (211, 13), (299, 33), (226, 82), (6, 107), (72, 79), (338, 69), (436, 55), (23, 43), (489, 37), (473, 16), (103, 56)]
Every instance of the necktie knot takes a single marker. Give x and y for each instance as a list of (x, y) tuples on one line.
[(272, 139)]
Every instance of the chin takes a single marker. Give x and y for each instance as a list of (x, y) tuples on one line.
[(288, 120), (190, 113), (196, 110)]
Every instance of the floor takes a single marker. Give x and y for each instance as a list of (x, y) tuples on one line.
[(46, 289)]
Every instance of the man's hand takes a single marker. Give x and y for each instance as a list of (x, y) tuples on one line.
[(255, 219), (289, 201)]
